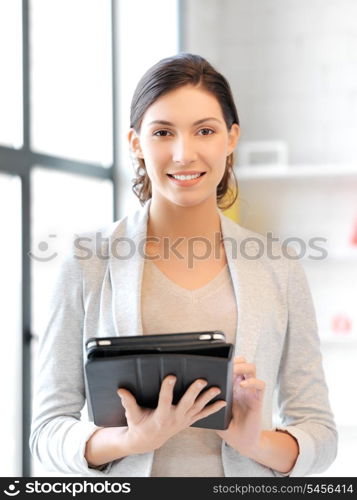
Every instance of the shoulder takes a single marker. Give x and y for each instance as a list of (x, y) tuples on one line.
[(88, 251), (254, 247), (273, 263)]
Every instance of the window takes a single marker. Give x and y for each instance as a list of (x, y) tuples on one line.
[(10, 294), (11, 74), (71, 79), (56, 135)]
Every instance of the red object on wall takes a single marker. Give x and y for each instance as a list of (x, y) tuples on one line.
[(354, 234), (341, 324)]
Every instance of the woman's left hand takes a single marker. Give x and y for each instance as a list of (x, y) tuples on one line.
[(243, 432)]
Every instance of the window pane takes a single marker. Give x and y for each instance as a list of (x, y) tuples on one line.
[(11, 325), (63, 205), (71, 79), (11, 73)]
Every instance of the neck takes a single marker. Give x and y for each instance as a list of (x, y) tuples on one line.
[(167, 219)]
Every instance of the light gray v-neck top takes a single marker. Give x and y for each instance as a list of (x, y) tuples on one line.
[(168, 307), (97, 293)]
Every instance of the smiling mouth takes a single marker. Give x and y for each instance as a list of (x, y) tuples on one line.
[(170, 175)]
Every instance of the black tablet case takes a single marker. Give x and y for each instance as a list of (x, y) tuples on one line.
[(140, 363)]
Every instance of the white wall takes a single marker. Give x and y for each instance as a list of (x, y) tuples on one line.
[(292, 66)]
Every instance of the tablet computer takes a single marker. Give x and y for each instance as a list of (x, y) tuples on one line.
[(139, 363)]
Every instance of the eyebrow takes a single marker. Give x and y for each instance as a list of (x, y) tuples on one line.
[(165, 122)]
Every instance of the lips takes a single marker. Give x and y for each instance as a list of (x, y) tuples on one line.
[(187, 173), (188, 182)]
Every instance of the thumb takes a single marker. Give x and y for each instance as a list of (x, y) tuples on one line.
[(132, 410)]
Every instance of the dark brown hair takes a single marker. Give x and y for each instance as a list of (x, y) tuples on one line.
[(169, 74)]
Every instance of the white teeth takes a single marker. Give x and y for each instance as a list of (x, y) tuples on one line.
[(186, 177)]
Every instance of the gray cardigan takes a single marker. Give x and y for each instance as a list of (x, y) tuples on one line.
[(98, 293)]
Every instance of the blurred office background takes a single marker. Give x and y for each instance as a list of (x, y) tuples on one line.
[(68, 70)]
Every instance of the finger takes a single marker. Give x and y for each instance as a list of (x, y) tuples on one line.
[(246, 369), (132, 410), (239, 359), (204, 398), (244, 366), (240, 363), (208, 410), (189, 398), (253, 383), (166, 394)]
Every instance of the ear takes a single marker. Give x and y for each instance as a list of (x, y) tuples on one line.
[(134, 142), (233, 137)]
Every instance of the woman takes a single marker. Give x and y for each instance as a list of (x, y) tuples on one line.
[(199, 271)]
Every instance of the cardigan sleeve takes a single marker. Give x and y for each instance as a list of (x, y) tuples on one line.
[(58, 437), (303, 398)]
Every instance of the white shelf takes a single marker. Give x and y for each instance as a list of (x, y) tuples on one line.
[(260, 171)]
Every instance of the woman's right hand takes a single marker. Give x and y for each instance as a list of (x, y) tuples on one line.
[(148, 429)]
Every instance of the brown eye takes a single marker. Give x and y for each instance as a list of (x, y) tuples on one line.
[(161, 131), (207, 129)]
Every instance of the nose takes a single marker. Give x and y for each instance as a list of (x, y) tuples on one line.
[(184, 151)]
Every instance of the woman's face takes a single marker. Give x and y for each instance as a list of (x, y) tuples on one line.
[(172, 141)]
